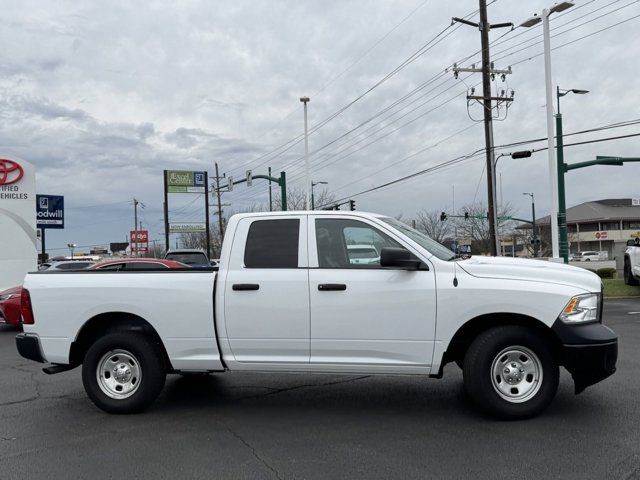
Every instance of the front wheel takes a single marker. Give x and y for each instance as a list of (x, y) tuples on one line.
[(511, 372), (123, 372)]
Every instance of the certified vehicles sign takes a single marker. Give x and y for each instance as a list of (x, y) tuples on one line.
[(50, 211)]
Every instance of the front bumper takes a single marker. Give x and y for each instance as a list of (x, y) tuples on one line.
[(29, 347), (589, 352)]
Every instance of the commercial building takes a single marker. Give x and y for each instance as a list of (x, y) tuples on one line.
[(600, 225)]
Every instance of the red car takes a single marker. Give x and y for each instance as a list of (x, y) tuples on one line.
[(10, 306), (10, 298), (129, 264)]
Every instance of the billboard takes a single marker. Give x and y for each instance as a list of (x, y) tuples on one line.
[(49, 211), (184, 181), (118, 246)]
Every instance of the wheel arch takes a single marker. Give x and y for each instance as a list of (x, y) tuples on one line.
[(110, 322), (470, 330)]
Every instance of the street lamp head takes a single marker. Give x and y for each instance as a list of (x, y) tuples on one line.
[(561, 7), (579, 92), (532, 21), (304, 99)]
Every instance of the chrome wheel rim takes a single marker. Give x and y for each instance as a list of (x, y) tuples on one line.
[(516, 374), (119, 374)]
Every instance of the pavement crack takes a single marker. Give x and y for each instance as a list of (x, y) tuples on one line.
[(306, 385), (253, 452)]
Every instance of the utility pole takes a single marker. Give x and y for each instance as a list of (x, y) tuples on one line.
[(135, 229), (487, 72), (220, 223)]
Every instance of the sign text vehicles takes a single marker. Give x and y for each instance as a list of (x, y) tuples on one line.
[(49, 211), (183, 181)]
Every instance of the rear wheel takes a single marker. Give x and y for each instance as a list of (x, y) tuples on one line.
[(511, 372), (123, 372), (629, 279)]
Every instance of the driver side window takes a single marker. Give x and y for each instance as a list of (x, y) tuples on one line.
[(343, 243)]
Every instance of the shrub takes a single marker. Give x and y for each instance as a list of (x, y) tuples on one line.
[(606, 272)]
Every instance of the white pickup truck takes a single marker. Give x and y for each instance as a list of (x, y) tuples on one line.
[(632, 262), (287, 298)]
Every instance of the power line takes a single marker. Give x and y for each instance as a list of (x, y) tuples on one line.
[(468, 156)]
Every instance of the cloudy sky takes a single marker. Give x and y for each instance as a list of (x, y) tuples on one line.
[(102, 96)]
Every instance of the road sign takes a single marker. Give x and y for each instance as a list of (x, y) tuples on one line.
[(187, 227), (49, 211)]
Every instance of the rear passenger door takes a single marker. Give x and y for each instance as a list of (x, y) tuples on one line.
[(266, 292)]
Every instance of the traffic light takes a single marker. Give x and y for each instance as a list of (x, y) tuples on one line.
[(352, 205), (443, 216), (466, 215)]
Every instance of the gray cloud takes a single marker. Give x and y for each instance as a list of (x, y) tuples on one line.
[(102, 98)]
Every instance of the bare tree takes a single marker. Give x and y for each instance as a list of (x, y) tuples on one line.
[(297, 199), (429, 222), (476, 226)]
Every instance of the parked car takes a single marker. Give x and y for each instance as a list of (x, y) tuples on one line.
[(10, 306), (286, 299), (363, 254), (130, 264), (68, 265), (193, 257), (632, 262), (588, 256)]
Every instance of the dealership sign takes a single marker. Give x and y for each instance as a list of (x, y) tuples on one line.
[(17, 221), (182, 181), (187, 227), (50, 211), (10, 172)]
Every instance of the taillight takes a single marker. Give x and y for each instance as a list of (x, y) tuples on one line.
[(25, 307)]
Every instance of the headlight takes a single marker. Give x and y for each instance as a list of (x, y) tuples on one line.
[(8, 296), (582, 309)]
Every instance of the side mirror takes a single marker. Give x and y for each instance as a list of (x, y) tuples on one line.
[(398, 257)]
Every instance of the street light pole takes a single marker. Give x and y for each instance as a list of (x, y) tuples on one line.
[(553, 177), (534, 233), (313, 184), (553, 169), (562, 207), (305, 100)]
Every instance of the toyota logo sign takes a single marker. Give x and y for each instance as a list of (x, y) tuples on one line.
[(10, 172)]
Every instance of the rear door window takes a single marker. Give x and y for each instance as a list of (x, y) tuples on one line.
[(272, 244)]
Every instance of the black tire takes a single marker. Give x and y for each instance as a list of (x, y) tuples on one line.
[(150, 362), (629, 279), (478, 372)]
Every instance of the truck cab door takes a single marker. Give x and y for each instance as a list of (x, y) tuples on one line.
[(365, 317), (266, 292)]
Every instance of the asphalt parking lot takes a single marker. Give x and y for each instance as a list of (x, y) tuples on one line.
[(318, 427)]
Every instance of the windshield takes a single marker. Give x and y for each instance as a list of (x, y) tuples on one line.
[(429, 244), (189, 258)]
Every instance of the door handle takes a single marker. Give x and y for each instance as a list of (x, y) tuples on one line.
[(335, 287), (245, 286)]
